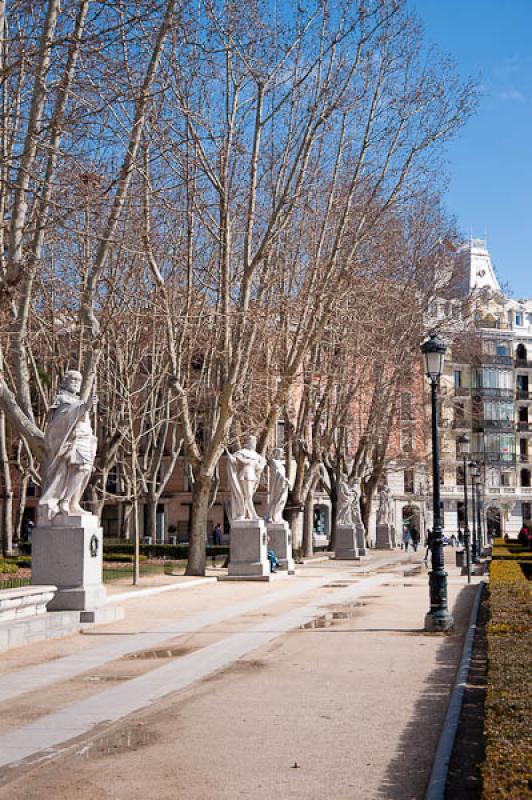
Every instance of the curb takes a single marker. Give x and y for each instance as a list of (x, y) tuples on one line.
[(440, 766), (117, 598)]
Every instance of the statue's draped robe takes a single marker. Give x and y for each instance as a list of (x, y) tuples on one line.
[(344, 501), (279, 487), (244, 466), (68, 439)]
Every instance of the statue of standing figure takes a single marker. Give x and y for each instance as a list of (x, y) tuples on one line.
[(356, 513), (384, 511), (344, 502), (70, 448), (279, 487), (244, 469)]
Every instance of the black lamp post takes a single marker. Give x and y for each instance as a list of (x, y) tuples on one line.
[(474, 474), (479, 527), (438, 618), (463, 444)]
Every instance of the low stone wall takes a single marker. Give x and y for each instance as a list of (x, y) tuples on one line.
[(26, 601)]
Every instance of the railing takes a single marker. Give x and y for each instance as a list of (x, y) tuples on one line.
[(522, 363), (494, 424), (493, 324), (489, 391), (493, 358), (523, 395), (525, 458), (489, 490), (461, 391), (524, 427), (459, 424)]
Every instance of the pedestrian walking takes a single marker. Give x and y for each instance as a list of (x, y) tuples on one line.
[(407, 539), (428, 545), (217, 535), (415, 538)]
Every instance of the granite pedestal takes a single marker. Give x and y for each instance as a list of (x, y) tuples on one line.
[(248, 556), (281, 543), (67, 553), (383, 540), (346, 543), (361, 539)]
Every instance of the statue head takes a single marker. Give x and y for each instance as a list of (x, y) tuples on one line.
[(278, 453), (250, 442), (71, 381)]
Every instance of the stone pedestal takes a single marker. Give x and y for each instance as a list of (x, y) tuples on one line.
[(346, 542), (393, 537), (383, 539), (361, 539), (281, 544), (248, 552), (68, 554)]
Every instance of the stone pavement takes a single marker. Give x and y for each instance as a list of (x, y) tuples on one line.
[(321, 684)]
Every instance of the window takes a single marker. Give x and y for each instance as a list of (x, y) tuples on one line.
[(459, 413), (526, 512), (460, 475), (518, 318), (406, 406), (280, 434), (408, 476), (408, 441), (457, 375), (502, 349), (30, 488), (506, 478)]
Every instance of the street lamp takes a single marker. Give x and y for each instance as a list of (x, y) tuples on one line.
[(438, 618), (479, 520), (474, 475), (464, 447)]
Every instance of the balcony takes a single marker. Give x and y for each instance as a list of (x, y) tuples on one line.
[(461, 391), (503, 425), (492, 359), (460, 425), (525, 458), (522, 363), (506, 459), (489, 391), (522, 394), (493, 324), (524, 427)]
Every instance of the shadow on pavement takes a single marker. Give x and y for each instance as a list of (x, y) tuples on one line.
[(409, 770)]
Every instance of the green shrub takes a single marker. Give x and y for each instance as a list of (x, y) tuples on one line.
[(508, 719), (176, 552), (122, 558), (7, 567)]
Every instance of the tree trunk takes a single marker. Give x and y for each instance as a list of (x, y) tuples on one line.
[(21, 506), (308, 539), (150, 518), (334, 505), (198, 525), (7, 494)]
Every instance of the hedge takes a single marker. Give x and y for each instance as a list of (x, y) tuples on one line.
[(175, 552), (7, 567), (508, 720)]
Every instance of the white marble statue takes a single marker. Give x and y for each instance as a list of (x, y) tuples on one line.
[(356, 513), (344, 502), (70, 448), (244, 469), (279, 487), (384, 511)]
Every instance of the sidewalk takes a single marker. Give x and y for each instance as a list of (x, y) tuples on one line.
[(228, 686)]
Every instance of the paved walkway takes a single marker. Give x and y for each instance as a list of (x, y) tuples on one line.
[(235, 690)]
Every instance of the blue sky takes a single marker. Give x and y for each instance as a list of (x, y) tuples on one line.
[(490, 163)]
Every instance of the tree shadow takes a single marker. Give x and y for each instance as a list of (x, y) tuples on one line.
[(408, 772)]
